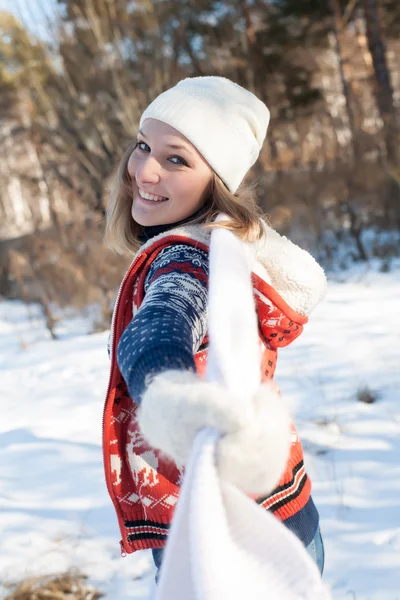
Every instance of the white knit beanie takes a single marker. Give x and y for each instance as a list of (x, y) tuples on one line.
[(226, 123)]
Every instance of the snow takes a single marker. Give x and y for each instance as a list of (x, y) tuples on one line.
[(55, 510)]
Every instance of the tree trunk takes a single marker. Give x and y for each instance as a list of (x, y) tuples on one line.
[(383, 86), (340, 44)]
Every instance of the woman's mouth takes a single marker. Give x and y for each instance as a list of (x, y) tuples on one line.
[(151, 198)]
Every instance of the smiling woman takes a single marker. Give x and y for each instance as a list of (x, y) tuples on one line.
[(166, 187), (181, 179)]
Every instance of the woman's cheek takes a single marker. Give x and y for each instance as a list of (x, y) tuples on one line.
[(131, 166)]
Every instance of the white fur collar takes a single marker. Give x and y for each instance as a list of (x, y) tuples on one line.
[(289, 269), (195, 232)]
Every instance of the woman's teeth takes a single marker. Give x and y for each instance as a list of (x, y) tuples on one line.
[(152, 197)]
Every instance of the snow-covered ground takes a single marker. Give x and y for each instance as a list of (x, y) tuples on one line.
[(55, 511)]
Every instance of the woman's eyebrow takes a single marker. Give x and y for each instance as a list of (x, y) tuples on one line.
[(173, 146), (177, 147)]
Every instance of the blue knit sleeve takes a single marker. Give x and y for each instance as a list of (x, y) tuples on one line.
[(171, 322)]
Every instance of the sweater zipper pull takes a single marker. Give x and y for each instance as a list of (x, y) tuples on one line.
[(123, 551)]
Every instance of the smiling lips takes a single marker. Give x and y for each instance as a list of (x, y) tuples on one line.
[(151, 197)]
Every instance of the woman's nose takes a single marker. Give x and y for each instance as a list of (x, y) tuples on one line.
[(148, 171)]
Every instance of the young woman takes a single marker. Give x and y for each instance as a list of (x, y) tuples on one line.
[(195, 144)]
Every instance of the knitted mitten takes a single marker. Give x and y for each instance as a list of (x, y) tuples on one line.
[(254, 446)]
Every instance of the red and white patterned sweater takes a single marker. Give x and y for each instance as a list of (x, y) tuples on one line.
[(143, 482)]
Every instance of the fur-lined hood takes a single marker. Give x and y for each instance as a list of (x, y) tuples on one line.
[(292, 272)]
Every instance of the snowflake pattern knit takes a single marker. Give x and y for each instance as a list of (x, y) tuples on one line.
[(171, 322)]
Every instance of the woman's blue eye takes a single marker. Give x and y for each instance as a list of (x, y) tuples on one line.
[(176, 160), (143, 146), (180, 161)]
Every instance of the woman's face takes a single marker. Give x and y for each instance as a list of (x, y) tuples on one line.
[(169, 176)]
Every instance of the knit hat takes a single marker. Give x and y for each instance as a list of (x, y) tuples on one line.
[(226, 123)]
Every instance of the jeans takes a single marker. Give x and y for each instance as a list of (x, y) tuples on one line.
[(315, 549), (157, 558)]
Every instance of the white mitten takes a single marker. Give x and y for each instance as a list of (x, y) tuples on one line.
[(255, 441), (254, 457)]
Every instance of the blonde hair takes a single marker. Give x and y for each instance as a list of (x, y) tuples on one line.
[(122, 233)]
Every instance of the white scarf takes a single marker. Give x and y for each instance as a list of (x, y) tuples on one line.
[(222, 544)]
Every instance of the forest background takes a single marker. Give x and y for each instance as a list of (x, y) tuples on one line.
[(71, 98)]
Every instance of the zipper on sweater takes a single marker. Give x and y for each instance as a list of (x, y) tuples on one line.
[(107, 466), (123, 551), (143, 255)]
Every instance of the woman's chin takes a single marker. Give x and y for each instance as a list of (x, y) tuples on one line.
[(147, 215), (144, 221)]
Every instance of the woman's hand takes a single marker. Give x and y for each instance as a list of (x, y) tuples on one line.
[(255, 436)]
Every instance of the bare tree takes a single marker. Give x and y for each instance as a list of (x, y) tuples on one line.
[(383, 86)]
